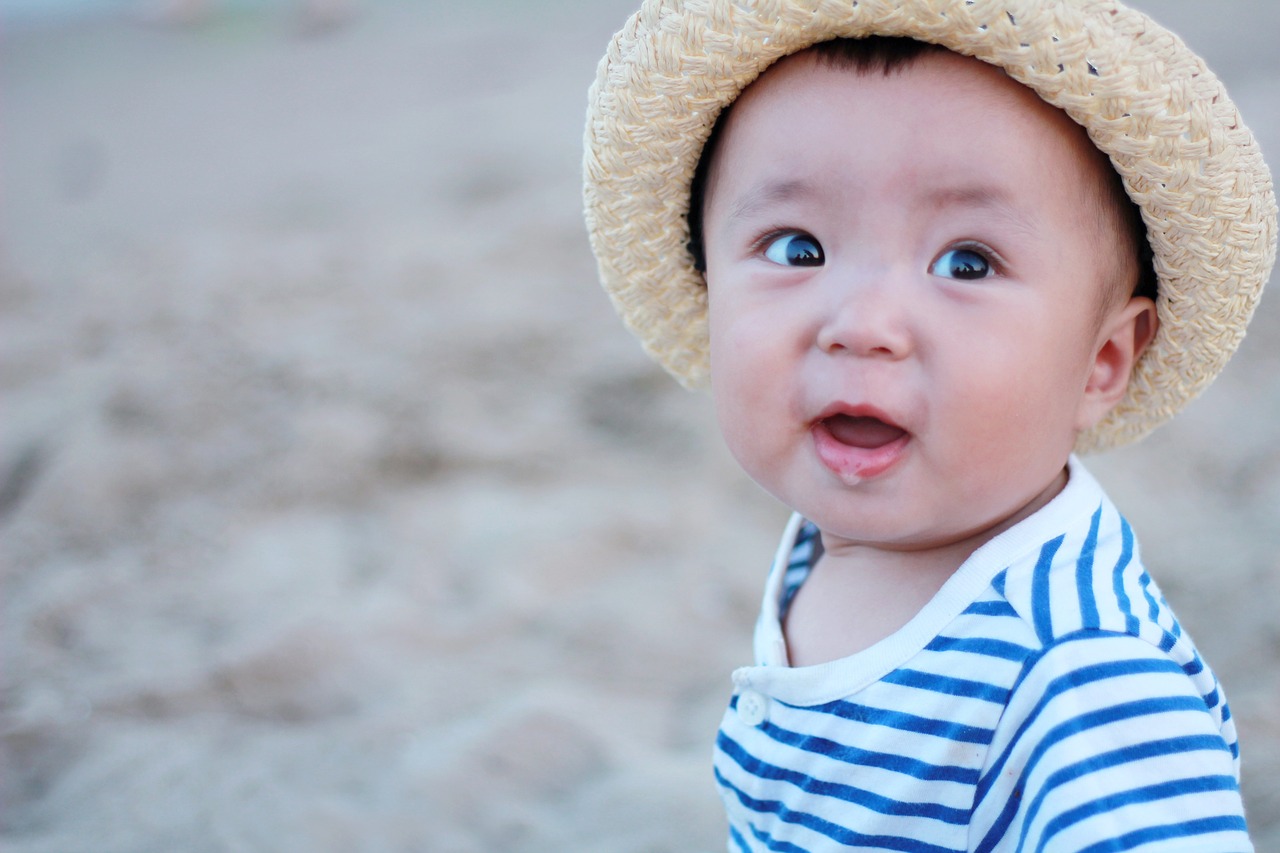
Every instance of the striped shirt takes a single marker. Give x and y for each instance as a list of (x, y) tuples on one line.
[(1046, 699)]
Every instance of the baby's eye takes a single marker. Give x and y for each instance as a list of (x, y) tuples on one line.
[(964, 264), (794, 249)]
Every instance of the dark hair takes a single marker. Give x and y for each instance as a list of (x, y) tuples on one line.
[(887, 55)]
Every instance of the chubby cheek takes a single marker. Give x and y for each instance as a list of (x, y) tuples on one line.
[(732, 391), (745, 379), (1019, 414), (753, 435), (737, 432)]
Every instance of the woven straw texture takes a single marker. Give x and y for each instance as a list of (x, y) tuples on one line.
[(1145, 99)]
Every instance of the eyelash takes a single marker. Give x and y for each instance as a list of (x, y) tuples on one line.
[(762, 242), (990, 255)]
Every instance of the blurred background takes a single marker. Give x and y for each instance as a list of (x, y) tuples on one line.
[(337, 510)]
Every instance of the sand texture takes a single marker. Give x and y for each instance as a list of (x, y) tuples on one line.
[(337, 510)]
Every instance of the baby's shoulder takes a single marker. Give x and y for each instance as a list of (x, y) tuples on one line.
[(1092, 624), (1087, 582)]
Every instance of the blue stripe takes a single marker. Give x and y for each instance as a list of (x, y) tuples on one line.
[(1203, 826), (867, 758), (1114, 758), (1194, 666), (985, 646), (1124, 755), (833, 831), (990, 608), (1153, 606), (1233, 744), (1136, 796), (803, 549), (737, 839), (773, 844), (1061, 684), (1117, 578), (902, 721), (1040, 590), (838, 790), (1084, 574), (799, 566), (948, 685)]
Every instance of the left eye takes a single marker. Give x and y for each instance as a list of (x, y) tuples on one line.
[(964, 264)]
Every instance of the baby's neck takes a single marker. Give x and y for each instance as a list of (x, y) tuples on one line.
[(853, 599), (858, 594)]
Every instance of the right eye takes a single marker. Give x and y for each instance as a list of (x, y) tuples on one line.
[(794, 249)]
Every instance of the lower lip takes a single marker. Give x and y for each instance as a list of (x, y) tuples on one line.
[(854, 464)]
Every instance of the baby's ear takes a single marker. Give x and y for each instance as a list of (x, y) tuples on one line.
[(1121, 339)]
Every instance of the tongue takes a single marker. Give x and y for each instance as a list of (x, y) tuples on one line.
[(866, 433)]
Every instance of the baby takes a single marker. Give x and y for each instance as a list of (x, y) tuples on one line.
[(918, 287)]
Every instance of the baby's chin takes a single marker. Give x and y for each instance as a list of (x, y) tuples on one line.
[(906, 526)]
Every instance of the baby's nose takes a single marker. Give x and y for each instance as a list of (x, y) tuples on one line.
[(867, 316)]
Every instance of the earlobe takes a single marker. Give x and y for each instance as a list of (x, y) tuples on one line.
[(1122, 339)]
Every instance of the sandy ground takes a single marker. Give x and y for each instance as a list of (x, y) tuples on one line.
[(339, 513)]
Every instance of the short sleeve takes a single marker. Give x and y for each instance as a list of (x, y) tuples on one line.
[(1106, 744)]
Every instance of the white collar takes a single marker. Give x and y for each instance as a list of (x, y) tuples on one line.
[(1079, 499)]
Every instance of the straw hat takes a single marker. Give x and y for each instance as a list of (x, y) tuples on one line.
[(1146, 100)]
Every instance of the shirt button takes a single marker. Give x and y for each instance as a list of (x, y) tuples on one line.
[(753, 707)]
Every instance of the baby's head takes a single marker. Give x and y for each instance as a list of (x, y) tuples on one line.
[(922, 282), (952, 196)]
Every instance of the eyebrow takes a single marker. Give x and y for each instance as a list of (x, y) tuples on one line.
[(983, 197), (767, 194)]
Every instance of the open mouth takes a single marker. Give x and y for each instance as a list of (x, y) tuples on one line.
[(866, 433)]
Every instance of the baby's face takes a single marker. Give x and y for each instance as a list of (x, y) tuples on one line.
[(904, 276)]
